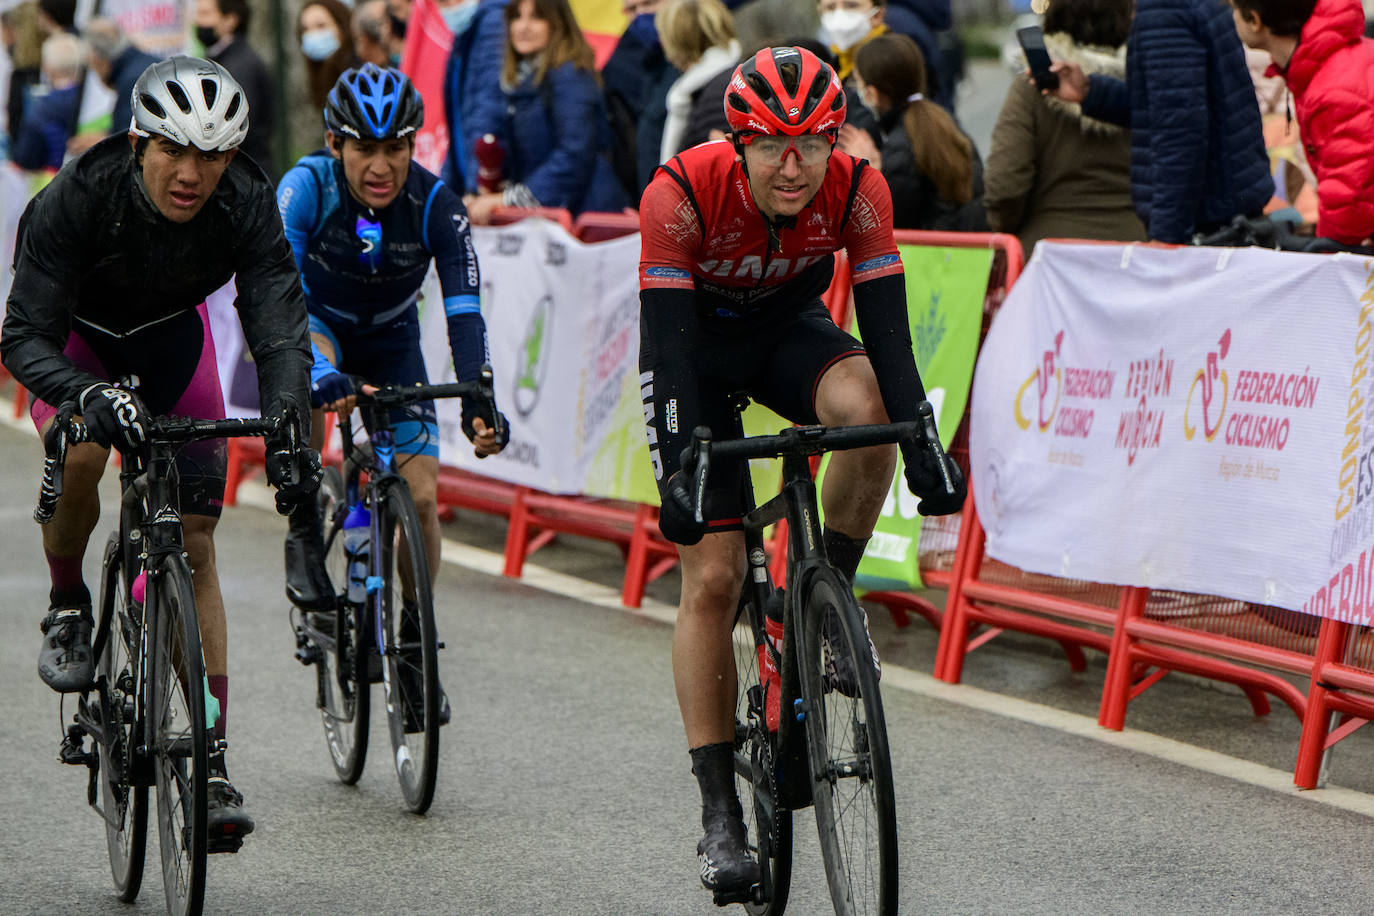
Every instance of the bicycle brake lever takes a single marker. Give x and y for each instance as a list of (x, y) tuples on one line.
[(926, 413), (701, 447), (487, 385)]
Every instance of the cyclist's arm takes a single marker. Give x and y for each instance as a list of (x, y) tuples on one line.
[(448, 236), (271, 307), (298, 199), (880, 298), (48, 265), (669, 328)]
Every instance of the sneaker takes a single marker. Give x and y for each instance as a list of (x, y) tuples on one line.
[(839, 666), (227, 823), (307, 582), (65, 661), (727, 869)]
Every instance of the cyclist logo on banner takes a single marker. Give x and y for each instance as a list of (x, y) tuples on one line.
[(1040, 377), (1208, 377), (534, 366)]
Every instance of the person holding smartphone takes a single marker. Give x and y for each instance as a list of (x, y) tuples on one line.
[(1197, 151), (1053, 171)]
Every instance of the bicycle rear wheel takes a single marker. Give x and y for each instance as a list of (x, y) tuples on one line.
[(125, 806), (851, 771), (769, 825), (176, 713), (343, 692), (411, 651)]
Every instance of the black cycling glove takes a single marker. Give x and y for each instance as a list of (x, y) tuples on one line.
[(924, 479), (297, 476), (677, 518), (115, 417), (471, 412)]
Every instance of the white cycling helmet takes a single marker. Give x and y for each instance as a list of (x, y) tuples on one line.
[(190, 101)]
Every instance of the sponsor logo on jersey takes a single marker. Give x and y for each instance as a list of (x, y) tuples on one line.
[(882, 260), (668, 273)]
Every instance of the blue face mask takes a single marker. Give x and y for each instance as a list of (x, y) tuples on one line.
[(319, 44), (459, 17), (642, 28)]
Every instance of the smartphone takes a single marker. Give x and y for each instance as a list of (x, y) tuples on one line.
[(1037, 58)]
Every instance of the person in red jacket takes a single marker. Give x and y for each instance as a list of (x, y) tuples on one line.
[(1319, 48)]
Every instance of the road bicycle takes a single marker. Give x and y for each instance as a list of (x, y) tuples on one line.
[(382, 626), (150, 712), (830, 750)]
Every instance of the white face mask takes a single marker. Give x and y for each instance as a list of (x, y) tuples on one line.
[(847, 27)]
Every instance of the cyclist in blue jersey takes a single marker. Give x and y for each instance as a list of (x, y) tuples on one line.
[(365, 221)]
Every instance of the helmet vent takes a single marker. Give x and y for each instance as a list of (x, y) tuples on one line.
[(209, 89), (154, 107), (233, 108), (760, 86), (179, 96), (737, 102), (791, 76), (819, 84), (837, 102)]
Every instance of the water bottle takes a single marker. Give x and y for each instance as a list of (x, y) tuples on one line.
[(356, 531), (490, 157)]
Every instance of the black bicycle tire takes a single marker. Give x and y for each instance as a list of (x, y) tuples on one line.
[(176, 614), (127, 845), (824, 590), (398, 514), (750, 735), (347, 746)]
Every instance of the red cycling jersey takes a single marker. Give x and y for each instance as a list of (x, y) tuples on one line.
[(702, 231)]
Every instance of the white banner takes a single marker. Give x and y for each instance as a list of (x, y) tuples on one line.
[(563, 328), (1193, 419)]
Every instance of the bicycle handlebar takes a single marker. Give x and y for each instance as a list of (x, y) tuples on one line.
[(161, 431), (805, 441), (1263, 232), (482, 389)]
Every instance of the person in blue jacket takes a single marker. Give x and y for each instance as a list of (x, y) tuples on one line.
[(1197, 150), (364, 221), (554, 132), (473, 100)]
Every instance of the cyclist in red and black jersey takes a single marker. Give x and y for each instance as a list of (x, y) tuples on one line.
[(737, 244)]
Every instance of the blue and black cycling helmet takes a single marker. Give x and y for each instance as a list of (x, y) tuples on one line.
[(373, 103)]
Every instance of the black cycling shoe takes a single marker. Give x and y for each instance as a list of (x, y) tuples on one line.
[(307, 582), (65, 661), (728, 870), (227, 823), (839, 666), (413, 687)]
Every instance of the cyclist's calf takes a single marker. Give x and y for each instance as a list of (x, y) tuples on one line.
[(79, 509)]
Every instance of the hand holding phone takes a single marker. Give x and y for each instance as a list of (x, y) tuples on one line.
[(1032, 41)]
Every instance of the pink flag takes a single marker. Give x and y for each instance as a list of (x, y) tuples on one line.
[(424, 60)]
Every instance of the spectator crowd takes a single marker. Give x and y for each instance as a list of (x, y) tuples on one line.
[(1169, 118)]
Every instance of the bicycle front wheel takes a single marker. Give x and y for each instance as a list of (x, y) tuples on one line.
[(176, 715), (407, 632), (342, 689), (851, 770), (125, 806), (769, 825)]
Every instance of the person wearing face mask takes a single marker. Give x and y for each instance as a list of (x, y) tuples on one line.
[(326, 43), (222, 28), (847, 25), (931, 166), (372, 33), (398, 16)]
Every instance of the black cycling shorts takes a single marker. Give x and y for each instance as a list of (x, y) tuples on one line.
[(174, 360), (780, 366)]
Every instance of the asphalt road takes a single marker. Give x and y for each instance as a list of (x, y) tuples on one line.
[(564, 785)]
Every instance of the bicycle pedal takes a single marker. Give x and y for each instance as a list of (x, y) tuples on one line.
[(308, 654), (226, 843), (737, 895)]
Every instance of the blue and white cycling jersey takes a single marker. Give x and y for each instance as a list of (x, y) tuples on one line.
[(363, 269)]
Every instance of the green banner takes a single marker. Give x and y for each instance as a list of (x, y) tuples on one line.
[(944, 294)]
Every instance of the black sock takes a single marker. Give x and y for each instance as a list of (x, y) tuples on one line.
[(714, 768), (72, 596), (844, 551), (216, 766)]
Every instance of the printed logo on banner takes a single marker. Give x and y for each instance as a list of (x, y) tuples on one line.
[(1207, 377), (534, 362), (1072, 419), (556, 253), (1040, 377), (1142, 425), (929, 329), (509, 244)]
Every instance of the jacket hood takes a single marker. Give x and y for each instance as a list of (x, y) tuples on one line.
[(1094, 59), (1333, 26)]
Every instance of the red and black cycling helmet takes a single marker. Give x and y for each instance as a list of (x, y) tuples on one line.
[(784, 91)]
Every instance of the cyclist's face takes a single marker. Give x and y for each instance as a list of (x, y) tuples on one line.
[(180, 179), (374, 169), (786, 172)]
